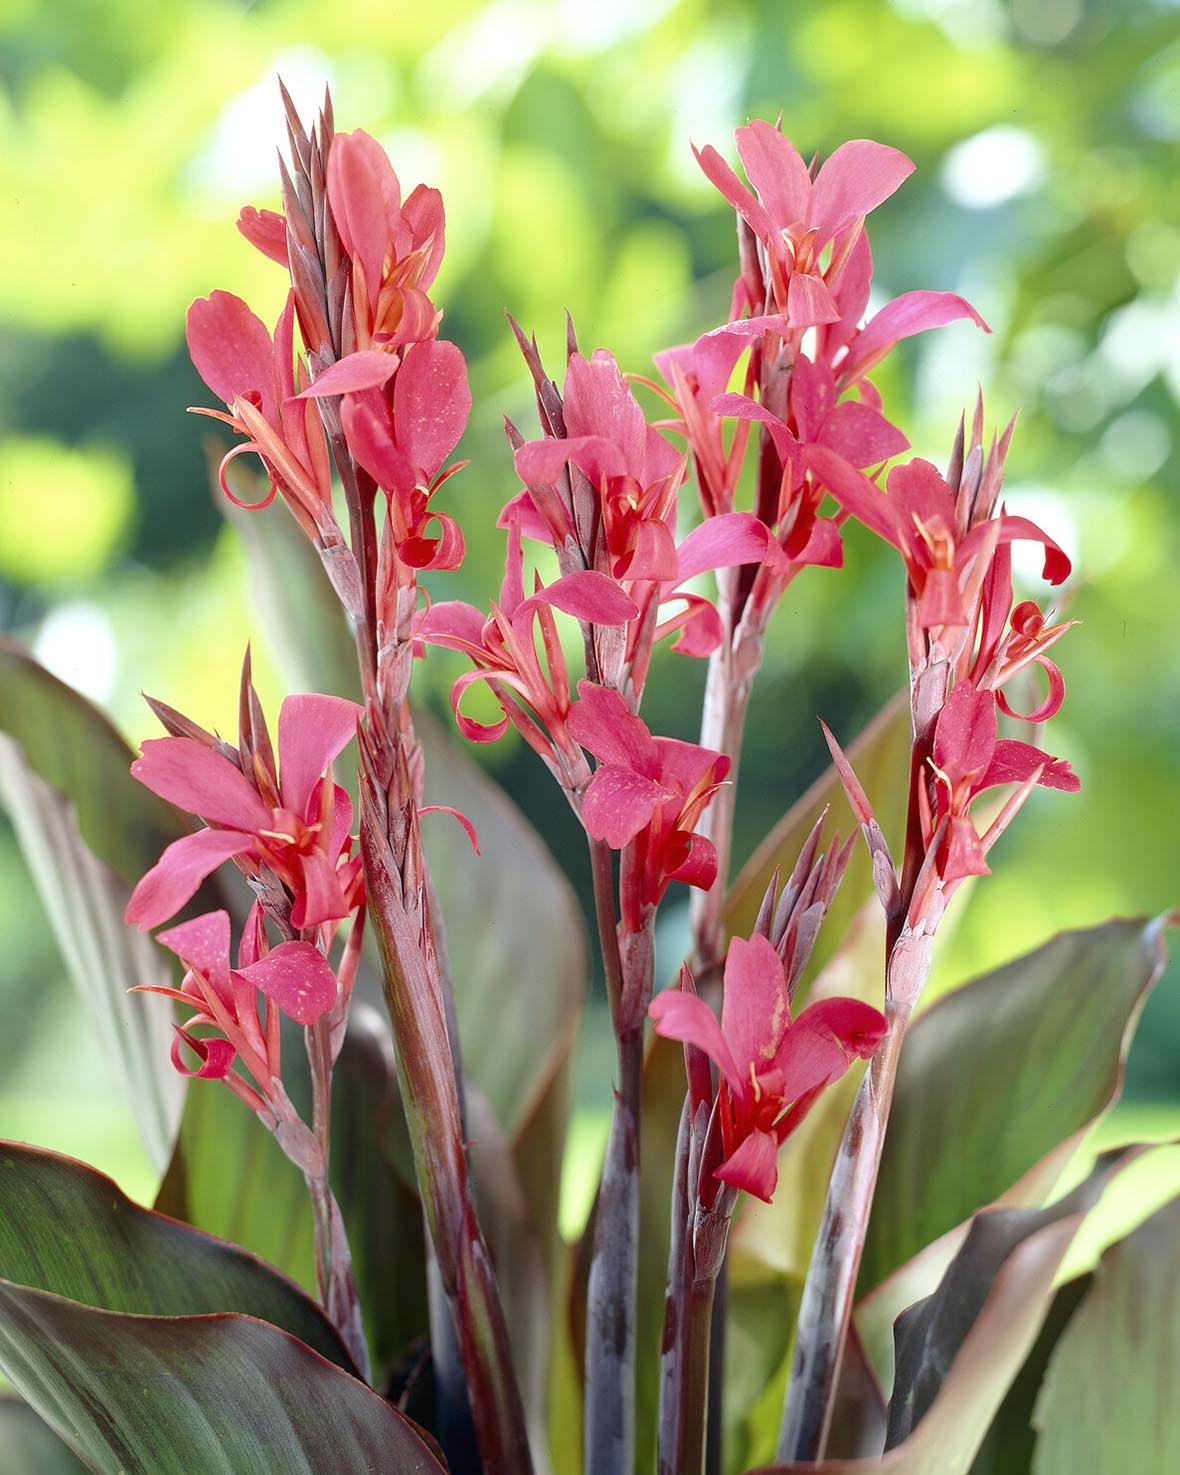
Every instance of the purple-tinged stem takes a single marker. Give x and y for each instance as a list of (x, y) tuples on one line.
[(826, 1307), (609, 1417)]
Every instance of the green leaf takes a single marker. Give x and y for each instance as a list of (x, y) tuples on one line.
[(880, 755), (999, 1079), (988, 1357), (1108, 1401), (70, 744), (1009, 1445), (88, 830), (929, 1334), (30, 1446), (205, 1395), (70, 1231)]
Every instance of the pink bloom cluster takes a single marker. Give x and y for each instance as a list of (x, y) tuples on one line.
[(773, 1068), (287, 827)]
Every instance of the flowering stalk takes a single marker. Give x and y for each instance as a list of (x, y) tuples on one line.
[(965, 640), (772, 1069)]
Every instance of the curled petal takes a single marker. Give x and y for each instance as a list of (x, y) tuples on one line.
[(699, 867), (1052, 703), (216, 1056), (456, 814), (272, 491)]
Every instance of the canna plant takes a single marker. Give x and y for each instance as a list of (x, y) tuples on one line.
[(828, 1227)]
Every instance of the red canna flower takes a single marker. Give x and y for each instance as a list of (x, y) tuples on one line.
[(632, 468), (255, 376), (295, 978), (647, 793), (772, 1067), (297, 825), (395, 246), (796, 218), (937, 537), (968, 759)]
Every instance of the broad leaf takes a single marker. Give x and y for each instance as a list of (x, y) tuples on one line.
[(880, 756), (68, 1230), (929, 1334), (88, 831), (1108, 1401), (30, 1446), (223, 1395), (988, 1358), (998, 1075)]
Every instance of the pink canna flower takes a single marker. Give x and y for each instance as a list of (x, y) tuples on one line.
[(633, 470), (293, 978), (969, 759), (297, 824), (395, 246), (934, 532), (402, 441), (255, 376), (796, 218), (647, 793), (772, 1068), (535, 698)]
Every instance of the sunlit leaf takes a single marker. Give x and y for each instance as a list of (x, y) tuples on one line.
[(982, 1363), (996, 1076), (88, 831), (1108, 1401)]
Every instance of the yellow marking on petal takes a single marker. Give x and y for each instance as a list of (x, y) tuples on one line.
[(754, 1083)]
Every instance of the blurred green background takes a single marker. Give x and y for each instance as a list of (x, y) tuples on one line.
[(1044, 133)]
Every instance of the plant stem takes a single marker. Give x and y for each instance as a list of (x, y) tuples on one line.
[(826, 1308)]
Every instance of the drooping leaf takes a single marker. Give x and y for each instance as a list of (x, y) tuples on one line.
[(995, 1077), (70, 1231), (988, 1358), (880, 756), (87, 830), (30, 1446), (1108, 1401), (930, 1333), (223, 1395)]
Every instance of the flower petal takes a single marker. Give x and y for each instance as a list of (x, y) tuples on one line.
[(912, 312), (602, 722), (776, 170), (266, 230), (200, 780), (853, 181), (726, 541), (823, 1042), (174, 879), (431, 403), (753, 1166), (203, 944), (363, 193), (297, 977), (231, 349), (756, 1013), (313, 730), (367, 369), (618, 804), (686, 1017), (589, 596)]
